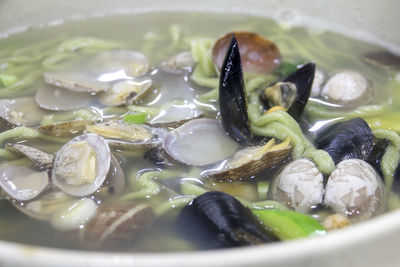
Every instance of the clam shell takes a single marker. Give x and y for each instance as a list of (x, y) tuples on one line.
[(66, 162), (39, 158), (126, 93), (59, 99), (115, 224), (124, 136), (258, 54), (23, 183), (21, 111), (76, 81), (131, 63), (66, 127), (199, 142), (42, 207), (179, 63), (250, 161)]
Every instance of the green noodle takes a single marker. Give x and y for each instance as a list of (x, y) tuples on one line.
[(281, 125), (20, 132)]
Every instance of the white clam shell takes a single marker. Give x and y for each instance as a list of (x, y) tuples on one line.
[(299, 185), (23, 183), (103, 159), (355, 189), (199, 142)]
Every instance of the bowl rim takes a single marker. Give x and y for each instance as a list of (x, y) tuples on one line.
[(266, 253)]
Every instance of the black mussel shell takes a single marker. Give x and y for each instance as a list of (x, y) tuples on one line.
[(346, 140), (217, 220), (378, 150), (396, 180), (232, 97), (302, 79)]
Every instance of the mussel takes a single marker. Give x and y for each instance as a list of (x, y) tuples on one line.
[(292, 93), (232, 97), (217, 220), (346, 140)]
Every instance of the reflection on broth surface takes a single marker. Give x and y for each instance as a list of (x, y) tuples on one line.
[(114, 131)]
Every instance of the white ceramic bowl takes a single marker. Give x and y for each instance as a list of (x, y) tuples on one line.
[(372, 243)]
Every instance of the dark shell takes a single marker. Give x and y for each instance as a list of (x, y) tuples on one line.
[(375, 157), (383, 59), (232, 96), (302, 79), (116, 225), (217, 220), (347, 140)]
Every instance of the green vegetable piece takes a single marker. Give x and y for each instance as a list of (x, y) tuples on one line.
[(7, 80), (287, 68), (137, 118), (288, 224)]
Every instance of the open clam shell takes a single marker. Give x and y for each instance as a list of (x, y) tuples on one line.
[(126, 92), (59, 99), (131, 63), (76, 81), (21, 111), (199, 142), (23, 183), (81, 166), (121, 135), (250, 161)]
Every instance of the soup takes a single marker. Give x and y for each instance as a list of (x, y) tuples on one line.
[(94, 117)]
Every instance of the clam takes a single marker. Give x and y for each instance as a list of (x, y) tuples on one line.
[(131, 63), (66, 127), (21, 111), (74, 214), (319, 78), (179, 63), (116, 224), (258, 54), (76, 81), (218, 220), (125, 92), (23, 183), (299, 185), (59, 99), (383, 59), (354, 189), (39, 158), (232, 97), (122, 135), (293, 93), (250, 161), (199, 142), (346, 88), (345, 140), (43, 206), (81, 165)]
